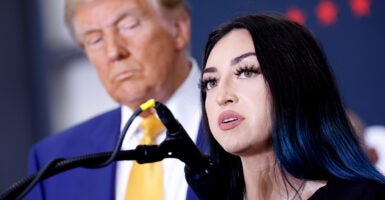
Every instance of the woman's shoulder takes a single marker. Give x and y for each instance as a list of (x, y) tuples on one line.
[(350, 189)]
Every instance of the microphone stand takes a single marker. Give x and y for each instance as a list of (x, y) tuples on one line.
[(169, 148), (62, 165), (201, 174)]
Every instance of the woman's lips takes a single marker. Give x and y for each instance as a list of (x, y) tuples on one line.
[(229, 119)]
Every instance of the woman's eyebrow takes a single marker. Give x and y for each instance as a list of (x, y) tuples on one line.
[(234, 61), (238, 59), (210, 70)]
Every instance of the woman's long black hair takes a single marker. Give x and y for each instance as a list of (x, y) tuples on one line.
[(312, 137)]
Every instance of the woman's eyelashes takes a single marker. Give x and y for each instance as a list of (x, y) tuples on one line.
[(242, 72), (247, 71), (208, 83)]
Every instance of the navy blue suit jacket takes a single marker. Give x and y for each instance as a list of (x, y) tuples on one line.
[(99, 134)]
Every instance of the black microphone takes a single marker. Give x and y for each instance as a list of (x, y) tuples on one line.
[(201, 173)]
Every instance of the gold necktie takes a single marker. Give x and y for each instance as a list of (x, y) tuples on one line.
[(146, 180)]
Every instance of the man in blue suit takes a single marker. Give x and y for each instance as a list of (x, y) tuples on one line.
[(140, 51)]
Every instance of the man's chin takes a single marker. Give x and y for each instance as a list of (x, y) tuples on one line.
[(133, 101)]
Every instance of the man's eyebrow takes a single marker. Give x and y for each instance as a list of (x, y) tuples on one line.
[(238, 59), (123, 14), (128, 13)]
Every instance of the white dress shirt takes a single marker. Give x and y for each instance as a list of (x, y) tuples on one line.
[(185, 106)]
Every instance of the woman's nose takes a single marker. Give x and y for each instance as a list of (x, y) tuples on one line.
[(226, 94)]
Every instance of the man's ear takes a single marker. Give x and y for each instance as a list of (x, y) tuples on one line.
[(182, 31), (373, 156)]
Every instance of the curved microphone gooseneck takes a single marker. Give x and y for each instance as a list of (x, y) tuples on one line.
[(21, 188), (201, 174)]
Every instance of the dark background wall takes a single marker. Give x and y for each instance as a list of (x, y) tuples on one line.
[(354, 43), (23, 102)]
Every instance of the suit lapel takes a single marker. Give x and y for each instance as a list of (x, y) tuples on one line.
[(106, 136)]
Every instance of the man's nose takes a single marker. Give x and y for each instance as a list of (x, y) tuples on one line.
[(116, 47)]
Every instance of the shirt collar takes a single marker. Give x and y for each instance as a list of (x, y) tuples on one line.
[(186, 99)]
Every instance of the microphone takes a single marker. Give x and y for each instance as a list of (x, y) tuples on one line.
[(201, 173), (203, 176)]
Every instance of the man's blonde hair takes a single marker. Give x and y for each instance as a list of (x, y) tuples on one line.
[(166, 5)]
